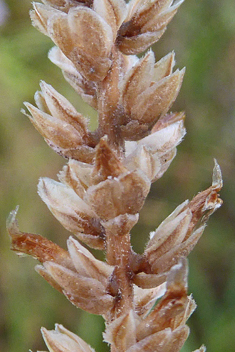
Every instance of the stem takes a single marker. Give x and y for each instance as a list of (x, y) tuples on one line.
[(118, 254), (111, 113)]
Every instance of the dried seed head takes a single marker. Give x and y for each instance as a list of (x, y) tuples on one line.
[(121, 225), (145, 24), (53, 130), (85, 38), (86, 264), (40, 15), (63, 128), (119, 195), (147, 92), (84, 292), (179, 233), (109, 172), (107, 164), (163, 328), (122, 332), (137, 79), (60, 108), (157, 99), (35, 245), (112, 11), (77, 174), (164, 67), (85, 88), (71, 179), (62, 340), (145, 298), (73, 212), (154, 153)]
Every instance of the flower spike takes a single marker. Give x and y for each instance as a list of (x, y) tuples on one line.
[(143, 298)]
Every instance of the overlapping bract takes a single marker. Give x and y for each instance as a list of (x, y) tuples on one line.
[(85, 281), (75, 271), (162, 328), (132, 93), (62, 340), (179, 233), (109, 173), (134, 26), (145, 23)]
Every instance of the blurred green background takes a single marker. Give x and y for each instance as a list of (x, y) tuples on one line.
[(203, 37)]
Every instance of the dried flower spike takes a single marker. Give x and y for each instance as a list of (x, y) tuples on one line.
[(109, 172)]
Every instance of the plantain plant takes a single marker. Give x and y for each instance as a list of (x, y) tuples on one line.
[(142, 297)]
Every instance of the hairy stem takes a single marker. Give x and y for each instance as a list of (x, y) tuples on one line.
[(118, 254)]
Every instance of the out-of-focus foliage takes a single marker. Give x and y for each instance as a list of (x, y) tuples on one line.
[(203, 37)]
